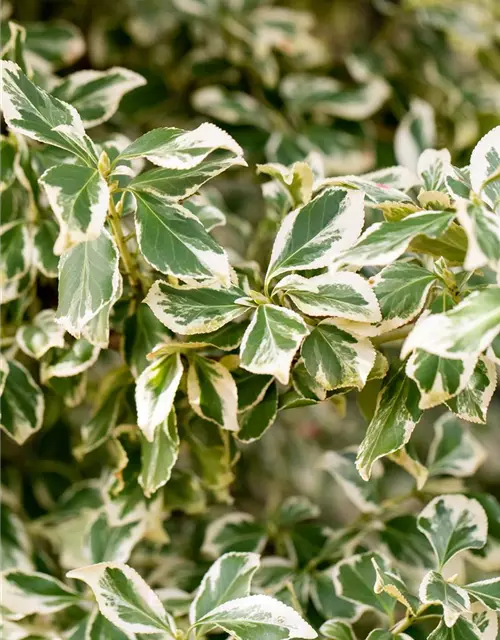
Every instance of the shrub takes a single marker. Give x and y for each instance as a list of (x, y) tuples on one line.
[(129, 395)]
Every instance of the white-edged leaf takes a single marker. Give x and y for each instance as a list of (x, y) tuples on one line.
[(159, 456), (271, 341), (89, 279), (474, 399), (17, 251), (79, 199), (383, 242), (482, 228), (44, 333), (98, 627), (27, 592), (484, 168), (454, 450), (342, 295), (77, 358), (337, 629), (97, 94), (484, 620), (415, 133), (191, 310), (235, 531), (466, 330), (155, 392), (23, 403), (433, 168), (461, 630), (234, 107), (173, 148), (257, 617), (113, 543), (487, 592), (142, 332), (32, 112), (454, 600), (44, 240), (335, 358), (396, 415), (227, 579), (390, 583), (257, 419), (212, 392), (125, 599), (313, 235), (453, 523), (174, 241)]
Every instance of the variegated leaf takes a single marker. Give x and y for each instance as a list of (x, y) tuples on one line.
[(454, 450), (487, 592), (173, 148), (97, 94), (484, 620), (454, 600), (336, 358), (466, 330), (44, 333), (23, 403), (396, 415), (416, 132), (383, 242), (234, 107), (125, 599), (17, 251), (175, 242), (71, 361), (271, 341), (342, 295), (484, 168), (453, 523), (337, 630), (483, 234), (235, 531), (212, 392), (313, 235), (433, 167), (159, 456), (474, 399), (461, 630), (32, 112), (191, 310), (113, 543), (255, 420), (390, 583), (142, 332), (44, 240), (79, 199), (155, 392)]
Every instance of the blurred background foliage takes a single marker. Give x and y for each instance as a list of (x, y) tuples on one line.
[(339, 77)]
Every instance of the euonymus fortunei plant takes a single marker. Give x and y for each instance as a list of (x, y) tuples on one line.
[(381, 286)]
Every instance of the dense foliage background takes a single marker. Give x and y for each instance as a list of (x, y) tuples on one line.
[(362, 84)]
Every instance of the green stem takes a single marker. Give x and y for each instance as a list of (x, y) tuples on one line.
[(402, 625)]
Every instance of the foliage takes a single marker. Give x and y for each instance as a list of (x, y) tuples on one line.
[(150, 334)]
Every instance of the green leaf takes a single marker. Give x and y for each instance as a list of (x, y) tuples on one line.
[(257, 419), (110, 543), (271, 341), (256, 617), (341, 466), (236, 531), (173, 148), (57, 43), (402, 290), (484, 167), (44, 240), (466, 330), (89, 279), (251, 388), (155, 392), (406, 542), (355, 578), (433, 168), (453, 599), (482, 228), (454, 450), (415, 133), (438, 379), (212, 392), (174, 241), (142, 332), (159, 456), (382, 634), (23, 404), (461, 630), (453, 523), (383, 242), (97, 94), (228, 578), (328, 603), (27, 592), (487, 592), (17, 251), (191, 310), (337, 630), (313, 235), (396, 416), (32, 112), (44, 333), (125, 599), (342, 295), (335, 358), (177, 184), (473, 401), (79, 199)]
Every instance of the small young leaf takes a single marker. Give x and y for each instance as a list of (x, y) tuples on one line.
[(125, 599), (453, 523), (271, 341)]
